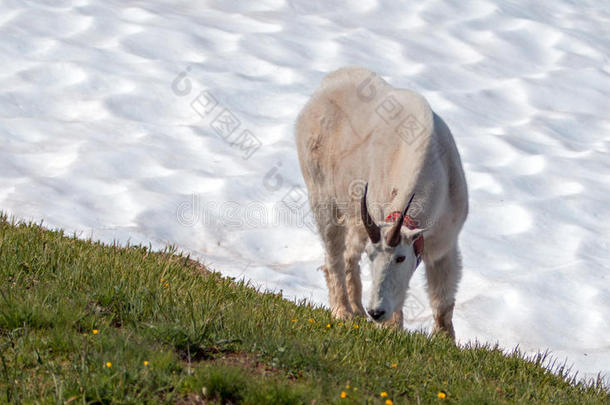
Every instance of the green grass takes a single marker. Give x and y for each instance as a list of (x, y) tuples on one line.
[(208, 339)]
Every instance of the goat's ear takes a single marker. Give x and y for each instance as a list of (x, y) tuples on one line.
[(412, 234)]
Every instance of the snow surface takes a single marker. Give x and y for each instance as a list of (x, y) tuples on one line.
[(113, 125)]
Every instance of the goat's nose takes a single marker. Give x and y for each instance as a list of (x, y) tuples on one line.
[(376, 313)]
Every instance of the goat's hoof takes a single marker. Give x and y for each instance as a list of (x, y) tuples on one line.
[(359, 311), (449, 333), (342, 313)]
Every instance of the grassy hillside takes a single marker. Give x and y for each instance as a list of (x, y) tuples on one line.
[(82, 322)]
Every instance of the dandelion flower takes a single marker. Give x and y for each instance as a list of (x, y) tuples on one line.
[(167, 284), (394, 365), (384, 394), (343, 394), (95, 331), (441, 395), (356, 326), (388, 402), (310, 320), (145, 362), (294, 320), (108, 364), (328, 326)]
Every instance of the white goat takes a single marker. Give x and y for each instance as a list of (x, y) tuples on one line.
[(357, 130)]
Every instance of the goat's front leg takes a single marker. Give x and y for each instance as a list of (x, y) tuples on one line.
[(443, 276), (334, 270), (396, 321), (354, 246)]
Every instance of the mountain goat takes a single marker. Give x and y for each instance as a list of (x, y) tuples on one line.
[(375, 158)]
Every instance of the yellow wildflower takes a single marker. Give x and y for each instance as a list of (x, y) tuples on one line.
[(394, 365), (343, 394), (441, 395), (328, 326), (388, 402), (311, 320), (384, 394), (356, 326), (294, 320), (145, 362), (95, 331), (108, 364)]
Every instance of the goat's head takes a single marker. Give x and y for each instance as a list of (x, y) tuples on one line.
[(394, 256)]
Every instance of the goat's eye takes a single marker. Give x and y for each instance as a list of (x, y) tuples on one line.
[(400, 259)]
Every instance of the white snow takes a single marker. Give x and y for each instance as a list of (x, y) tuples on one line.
[(105, 131)]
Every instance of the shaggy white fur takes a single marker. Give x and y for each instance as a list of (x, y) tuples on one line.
[(355, 130)]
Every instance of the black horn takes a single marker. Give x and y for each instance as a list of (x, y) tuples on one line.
[(393, 238), (371, 227)]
